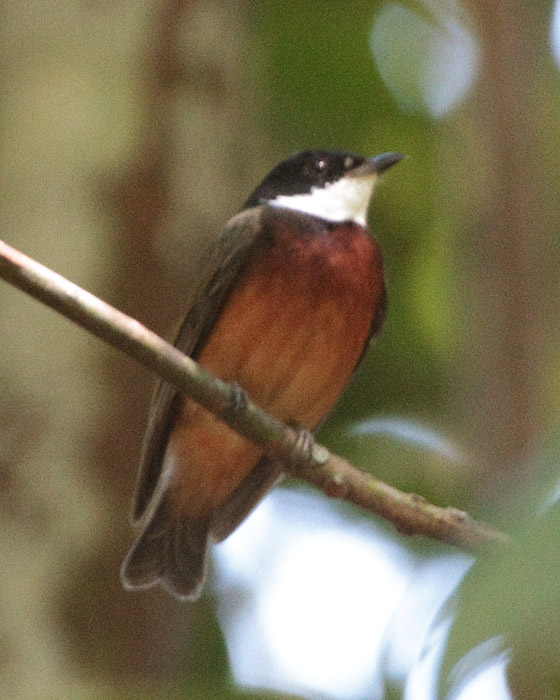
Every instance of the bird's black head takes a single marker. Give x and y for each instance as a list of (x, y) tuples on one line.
[(335, 185), (303, 171)]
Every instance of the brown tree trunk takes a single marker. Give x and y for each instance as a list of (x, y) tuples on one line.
[(504, 256), (129, 137)]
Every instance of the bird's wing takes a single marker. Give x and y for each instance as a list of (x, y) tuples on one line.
[(266, 472), (207, 299)]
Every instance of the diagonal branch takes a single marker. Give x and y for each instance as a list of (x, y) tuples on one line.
[(409, 513)]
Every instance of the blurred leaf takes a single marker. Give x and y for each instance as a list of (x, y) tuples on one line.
[(428, 65), (409, 455), (511, 601), (410, 432)]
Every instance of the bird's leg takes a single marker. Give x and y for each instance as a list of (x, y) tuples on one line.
[(302, 448), (238, 398), (305, 453)]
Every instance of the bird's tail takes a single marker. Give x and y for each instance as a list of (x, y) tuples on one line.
[(170, 552)]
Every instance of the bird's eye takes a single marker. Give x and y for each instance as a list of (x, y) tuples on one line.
[(316, 168), (348, 162)]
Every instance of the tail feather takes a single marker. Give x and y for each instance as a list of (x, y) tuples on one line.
[(170, 552)]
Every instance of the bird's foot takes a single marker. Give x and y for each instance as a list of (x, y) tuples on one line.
[(238, 398), (302, 448)]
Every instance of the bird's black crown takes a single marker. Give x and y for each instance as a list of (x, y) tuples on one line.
[(302, 171)]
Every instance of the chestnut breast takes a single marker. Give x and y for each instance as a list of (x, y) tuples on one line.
[(291, 333)]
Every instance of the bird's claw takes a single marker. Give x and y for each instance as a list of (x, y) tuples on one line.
[(238, 398), (302, 447)]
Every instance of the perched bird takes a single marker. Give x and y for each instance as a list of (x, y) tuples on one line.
[(286, 305)]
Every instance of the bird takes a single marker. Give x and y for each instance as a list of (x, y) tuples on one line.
[(286, 304)]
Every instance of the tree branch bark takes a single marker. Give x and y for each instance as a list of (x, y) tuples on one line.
[(409, 513)]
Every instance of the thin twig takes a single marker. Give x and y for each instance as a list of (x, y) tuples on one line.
[(409, 513)]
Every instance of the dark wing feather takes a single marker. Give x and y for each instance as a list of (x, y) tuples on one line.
[(207, 299), (168, 551), (247, 495)]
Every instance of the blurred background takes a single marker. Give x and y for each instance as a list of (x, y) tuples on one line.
[(130, 131)]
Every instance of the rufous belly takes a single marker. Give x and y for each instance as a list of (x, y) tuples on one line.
[(290, 336)]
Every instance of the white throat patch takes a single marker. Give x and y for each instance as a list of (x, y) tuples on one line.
[(346, 199)]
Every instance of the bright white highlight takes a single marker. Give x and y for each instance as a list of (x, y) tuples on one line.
[(411, 432), (324, 627), (489, 682), (308, 601), (319, 603), (429, 65), (555, 32), (346, 199)]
